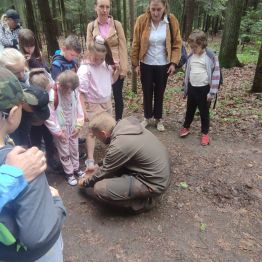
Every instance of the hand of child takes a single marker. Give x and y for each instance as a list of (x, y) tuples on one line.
[(62, 136), (209, 97), (54, 192), (75, 132)]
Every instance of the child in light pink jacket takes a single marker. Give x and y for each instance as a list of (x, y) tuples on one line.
[(96, 74), (65, 122)]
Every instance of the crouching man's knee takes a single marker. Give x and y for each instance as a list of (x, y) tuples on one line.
[(100, 190)]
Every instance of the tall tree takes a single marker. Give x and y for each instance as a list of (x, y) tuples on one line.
[(228, 49), (132, 23), (188, 18), (49, 26), (63, 18), (30, 17), (118, 10), (125, 17), (257, 84)]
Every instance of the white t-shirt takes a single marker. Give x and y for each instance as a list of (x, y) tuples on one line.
[(198, 72)]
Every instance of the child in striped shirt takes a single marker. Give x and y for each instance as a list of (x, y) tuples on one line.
[(202, 78)]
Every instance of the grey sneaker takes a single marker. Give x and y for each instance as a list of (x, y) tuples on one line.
[(160, 127), (145, 122)]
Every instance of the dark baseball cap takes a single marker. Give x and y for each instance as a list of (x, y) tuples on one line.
[(11, 13), (41, 110), (11, 91)]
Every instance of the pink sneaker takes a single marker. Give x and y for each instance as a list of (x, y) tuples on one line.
[(184, 132), (205, 140)]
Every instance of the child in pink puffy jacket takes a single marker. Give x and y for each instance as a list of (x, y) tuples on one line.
[(65, 122)]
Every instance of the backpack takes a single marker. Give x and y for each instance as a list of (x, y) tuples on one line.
[(63, 64), (183, 58)]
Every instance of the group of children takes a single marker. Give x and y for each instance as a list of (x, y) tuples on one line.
[(77, 94)]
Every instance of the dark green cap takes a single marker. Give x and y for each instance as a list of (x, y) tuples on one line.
[(11, 92)]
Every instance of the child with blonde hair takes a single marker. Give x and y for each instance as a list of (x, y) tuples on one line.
[(65, 122), (96, 74)]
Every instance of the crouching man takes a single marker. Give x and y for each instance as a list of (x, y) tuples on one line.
[(136, 167)]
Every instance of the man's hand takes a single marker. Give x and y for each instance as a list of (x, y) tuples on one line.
[(54, 192), (81, 181), (32, 161)]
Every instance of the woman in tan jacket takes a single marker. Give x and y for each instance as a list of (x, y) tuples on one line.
[(156, 50), (112, 31)]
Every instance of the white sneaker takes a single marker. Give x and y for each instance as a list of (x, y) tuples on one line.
[(90, 164), (145, 122), (79, 173), (160, 127), (71, 180)]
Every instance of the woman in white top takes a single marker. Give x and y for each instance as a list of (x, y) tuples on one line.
[(156, 50)]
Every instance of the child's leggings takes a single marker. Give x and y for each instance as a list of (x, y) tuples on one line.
[(197, 98), (68, 151)]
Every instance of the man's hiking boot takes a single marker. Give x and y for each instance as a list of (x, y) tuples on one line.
[(184, 132), (205, 140)]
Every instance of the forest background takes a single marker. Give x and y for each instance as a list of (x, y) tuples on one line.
[(237, 22), (212, 210)]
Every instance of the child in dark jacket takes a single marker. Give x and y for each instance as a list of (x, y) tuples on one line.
[(201, 83), (66, 60)]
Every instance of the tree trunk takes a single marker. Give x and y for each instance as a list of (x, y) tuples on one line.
[(31, 20), (228, 49), (188, 18), (54, 13), (257, 84), (176, 8), (49, 27), (118, 10), (207, 23), (62, 11), (132, 23), (125, 17)]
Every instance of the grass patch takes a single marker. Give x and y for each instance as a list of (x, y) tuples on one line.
[(249, 54)]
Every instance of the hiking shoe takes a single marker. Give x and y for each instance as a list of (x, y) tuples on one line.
[(90, 164), (71, 180), (81, 141), (159, 126), (145, 122), (184, 132), (205, 140), (79, 173)]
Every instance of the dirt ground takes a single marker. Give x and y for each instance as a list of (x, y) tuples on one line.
[(218, 217)]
